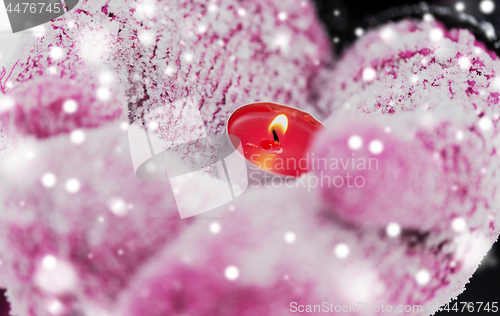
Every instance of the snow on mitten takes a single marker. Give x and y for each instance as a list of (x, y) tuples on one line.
[(76, 223)]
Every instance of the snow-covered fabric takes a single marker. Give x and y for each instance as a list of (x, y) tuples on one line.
[(81, 235)]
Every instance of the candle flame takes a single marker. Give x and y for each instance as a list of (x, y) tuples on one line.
[(280, 123)]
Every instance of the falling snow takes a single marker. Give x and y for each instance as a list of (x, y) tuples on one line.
[(83, 188)]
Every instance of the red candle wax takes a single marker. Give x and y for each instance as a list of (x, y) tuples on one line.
[(283, 152)]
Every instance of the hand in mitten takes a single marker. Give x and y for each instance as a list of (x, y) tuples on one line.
[(78, 232), (76, 223)]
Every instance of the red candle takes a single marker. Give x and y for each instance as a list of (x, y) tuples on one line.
[(275, 137)]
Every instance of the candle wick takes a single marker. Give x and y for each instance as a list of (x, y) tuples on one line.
[(275, 135)]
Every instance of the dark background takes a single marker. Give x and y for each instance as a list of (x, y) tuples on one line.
[(366, 14), (485, 284)]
